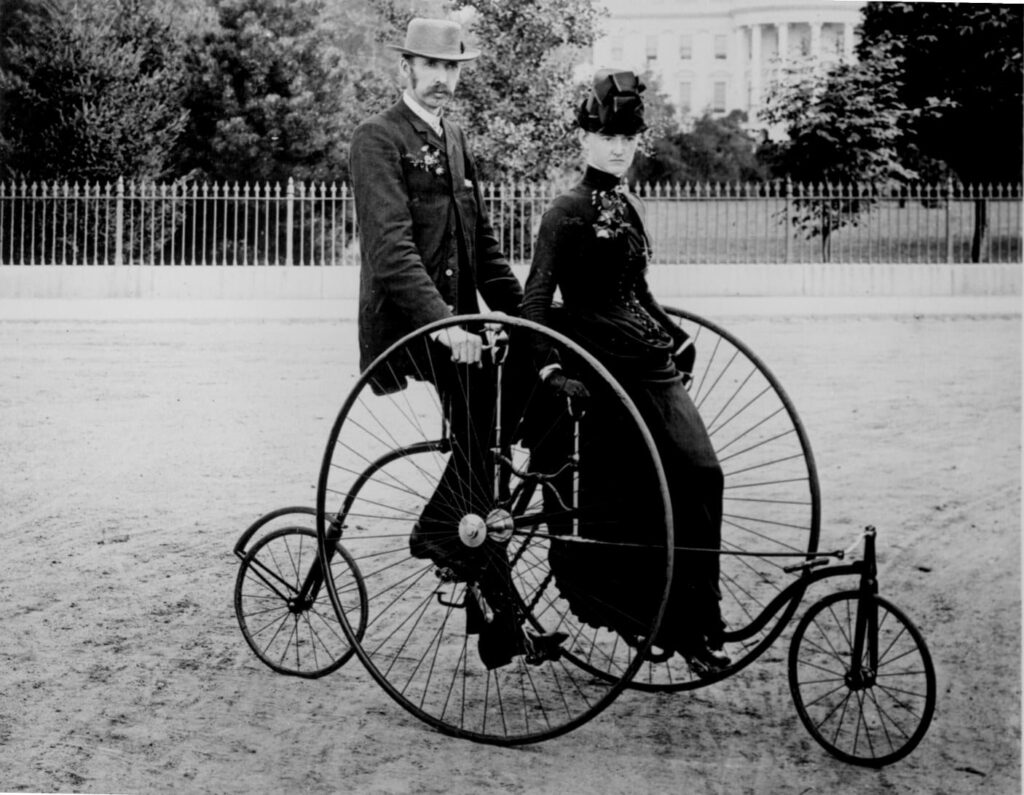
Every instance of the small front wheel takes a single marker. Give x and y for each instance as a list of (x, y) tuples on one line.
[(285, 615), (873, 709)]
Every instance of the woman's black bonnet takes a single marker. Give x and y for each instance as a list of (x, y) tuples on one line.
[(614, 105)]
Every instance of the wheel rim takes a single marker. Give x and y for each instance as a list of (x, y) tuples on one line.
[(383, 460), (771, 500), (292, 634), (865, 714)]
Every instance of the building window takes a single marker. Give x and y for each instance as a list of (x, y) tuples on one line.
[(652, 50), (721, 46), (685, 98), (617, 45), (718, 99), (686, 47)]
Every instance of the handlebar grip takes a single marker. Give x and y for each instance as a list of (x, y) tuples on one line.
[(807, 564)]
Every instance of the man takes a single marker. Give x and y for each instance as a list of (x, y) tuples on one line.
[(427, 248)]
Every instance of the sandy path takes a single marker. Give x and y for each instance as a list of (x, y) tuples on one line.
[(134, 453)]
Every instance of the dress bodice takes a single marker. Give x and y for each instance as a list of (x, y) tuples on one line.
[(592, 247)]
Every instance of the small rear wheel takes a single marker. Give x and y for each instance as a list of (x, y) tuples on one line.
[(869, 711), (286, 615)]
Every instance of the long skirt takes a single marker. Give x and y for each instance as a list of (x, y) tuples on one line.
[(620, 584)]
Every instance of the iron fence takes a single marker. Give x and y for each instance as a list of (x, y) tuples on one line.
[(300, 224)]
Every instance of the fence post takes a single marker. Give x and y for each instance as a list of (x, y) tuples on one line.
[(787, 189), (119, 223), (289, 218), (949, 226)]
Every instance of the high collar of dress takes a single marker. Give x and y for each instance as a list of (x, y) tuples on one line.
[(595, 179)]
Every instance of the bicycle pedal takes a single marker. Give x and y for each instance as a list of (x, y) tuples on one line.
[(485, 609), (447, 574)]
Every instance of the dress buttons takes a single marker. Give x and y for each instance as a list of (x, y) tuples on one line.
[(449, 272)]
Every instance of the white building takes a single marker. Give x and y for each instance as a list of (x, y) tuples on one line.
[(721, 55)]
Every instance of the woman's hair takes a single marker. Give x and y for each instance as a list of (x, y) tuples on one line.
[(614, 105)]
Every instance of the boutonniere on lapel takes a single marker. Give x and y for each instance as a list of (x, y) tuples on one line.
[(612, 219), (429, 160)]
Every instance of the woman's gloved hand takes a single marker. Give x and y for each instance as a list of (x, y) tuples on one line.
[(563, 386), (685, 358)]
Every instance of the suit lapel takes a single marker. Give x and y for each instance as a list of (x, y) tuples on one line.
[(451, 145), (424, 130)]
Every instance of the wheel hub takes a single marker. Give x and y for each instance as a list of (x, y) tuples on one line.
[(860, 678), (500, 525), (472, 530)]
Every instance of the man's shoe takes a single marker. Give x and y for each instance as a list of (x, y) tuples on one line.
[(540, 647), (440, 546)]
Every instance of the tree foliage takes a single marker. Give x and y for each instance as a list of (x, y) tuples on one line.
[(90, 90), (275, 92), (518, 99), (714, 150), (844, 126), (936, 90), (960, 67)]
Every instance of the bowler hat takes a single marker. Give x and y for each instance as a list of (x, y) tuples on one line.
[(439, 39), (614, 105)]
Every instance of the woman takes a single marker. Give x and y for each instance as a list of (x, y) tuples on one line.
[(592, 246)]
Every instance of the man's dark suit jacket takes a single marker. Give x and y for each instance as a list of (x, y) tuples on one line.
[(410, 218)]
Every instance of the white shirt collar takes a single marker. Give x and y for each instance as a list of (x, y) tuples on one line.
[(433, 119)]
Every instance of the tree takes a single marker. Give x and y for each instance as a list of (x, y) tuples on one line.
[(937, 90), (845, 127), (276, 94), (518, 99), (90, 90), (717, 149), (961, 65)]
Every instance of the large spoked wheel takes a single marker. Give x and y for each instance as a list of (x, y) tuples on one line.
[(285, 614), (771, 502), (516, 612), (868, 711)]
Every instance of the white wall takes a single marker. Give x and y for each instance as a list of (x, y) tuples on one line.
[(795, 280)]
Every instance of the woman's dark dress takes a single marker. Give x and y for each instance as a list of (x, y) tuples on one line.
[(598, 261)]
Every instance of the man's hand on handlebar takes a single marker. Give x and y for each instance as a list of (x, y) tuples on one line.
[(465, 347)]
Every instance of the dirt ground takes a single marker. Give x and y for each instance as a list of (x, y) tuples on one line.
[(133, 454)]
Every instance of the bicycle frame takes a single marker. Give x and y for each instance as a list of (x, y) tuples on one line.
[(865, 568)]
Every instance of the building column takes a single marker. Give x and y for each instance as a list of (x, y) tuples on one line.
[(816, 41), (755, 67), (783, 28), (737, 69), (847, 41)]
